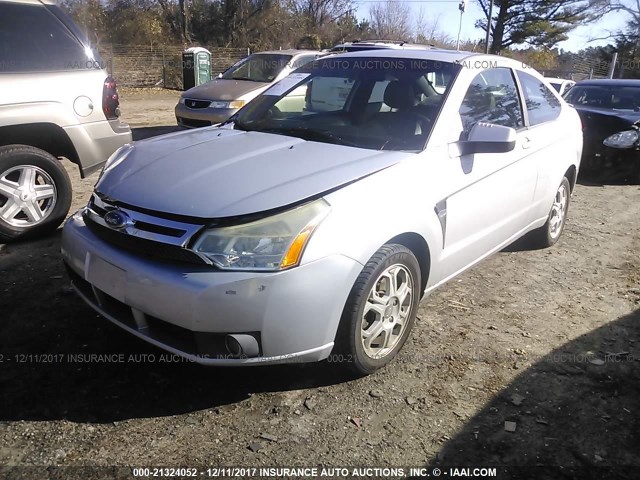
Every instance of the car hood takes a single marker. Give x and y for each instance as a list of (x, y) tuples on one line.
[(606, 119), (222, 89), (220, 172)]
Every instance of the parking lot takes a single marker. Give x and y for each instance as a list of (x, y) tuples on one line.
[(531, 358)]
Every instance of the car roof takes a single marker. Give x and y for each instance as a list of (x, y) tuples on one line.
[(435, 54), (611, 82), (379, 44), (290, 51)]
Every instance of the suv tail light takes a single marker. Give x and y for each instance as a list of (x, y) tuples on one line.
[(110, 99)]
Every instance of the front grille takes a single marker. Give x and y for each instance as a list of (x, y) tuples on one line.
[(161, 229), (191, 122), (202, 344), (143, 246), (192, 103), (142, 225)]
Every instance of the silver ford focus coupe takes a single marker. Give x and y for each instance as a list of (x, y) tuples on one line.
[(314, 221)]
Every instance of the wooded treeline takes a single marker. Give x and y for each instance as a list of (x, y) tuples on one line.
[(527, 29)]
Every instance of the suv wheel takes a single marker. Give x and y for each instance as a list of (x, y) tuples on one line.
[(35, 192)]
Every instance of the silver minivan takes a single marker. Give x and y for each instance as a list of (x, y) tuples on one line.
[(215, 101)]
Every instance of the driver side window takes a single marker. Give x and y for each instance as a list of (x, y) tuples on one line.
[(492, 97)]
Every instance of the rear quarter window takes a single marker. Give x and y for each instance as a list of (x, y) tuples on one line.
[(542, 104), (33, 39)]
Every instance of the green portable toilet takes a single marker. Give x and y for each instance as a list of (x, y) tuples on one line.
[(196, 67)]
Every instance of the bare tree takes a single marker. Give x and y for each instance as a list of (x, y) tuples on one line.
[(391, 20), (319, 13), (428, 30)]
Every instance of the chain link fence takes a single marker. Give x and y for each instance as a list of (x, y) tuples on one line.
[(159, 65), (578, 68)]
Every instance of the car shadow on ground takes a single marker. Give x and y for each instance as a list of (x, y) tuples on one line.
[(576, 407), (141, 133), (594, 180), (60, 360)]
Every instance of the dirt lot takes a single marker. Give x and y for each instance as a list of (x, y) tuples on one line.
[(548, 340)]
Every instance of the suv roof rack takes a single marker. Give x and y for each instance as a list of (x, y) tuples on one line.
[(395, 42)]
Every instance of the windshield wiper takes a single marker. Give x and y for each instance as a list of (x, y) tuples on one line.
[(245, 79)]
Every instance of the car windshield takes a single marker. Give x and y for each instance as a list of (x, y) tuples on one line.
[(374, 103), (258, 68), (609, 97)]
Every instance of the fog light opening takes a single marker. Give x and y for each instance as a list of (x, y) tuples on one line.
[(242, 346), (233, 346)]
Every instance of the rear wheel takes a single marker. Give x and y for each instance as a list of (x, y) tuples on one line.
[(380, 310), (550, 232), (35, 192)]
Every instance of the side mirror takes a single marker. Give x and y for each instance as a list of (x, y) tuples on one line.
[(488, 138)]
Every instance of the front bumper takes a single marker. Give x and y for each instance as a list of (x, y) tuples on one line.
[(606, 162), (201, 117), (188, 310)]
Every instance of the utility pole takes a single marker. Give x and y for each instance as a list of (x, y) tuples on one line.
[(461, 7), (612, 65), (489, 21)]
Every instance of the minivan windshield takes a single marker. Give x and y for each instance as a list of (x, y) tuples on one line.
[(367, 102), (261, 67)]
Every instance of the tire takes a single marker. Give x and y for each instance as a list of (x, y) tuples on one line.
[(35, 192), (547, 235), (395, 317)]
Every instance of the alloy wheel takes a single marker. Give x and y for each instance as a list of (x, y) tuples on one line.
[(27, 196), (387, 311), (558, 212)]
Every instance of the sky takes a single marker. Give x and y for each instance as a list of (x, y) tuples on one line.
[(449, 17)]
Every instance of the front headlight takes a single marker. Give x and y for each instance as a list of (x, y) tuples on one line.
[(626, 139), (234, 104), (270, 244)]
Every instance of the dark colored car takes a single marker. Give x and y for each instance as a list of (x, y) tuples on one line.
[(610, 113)]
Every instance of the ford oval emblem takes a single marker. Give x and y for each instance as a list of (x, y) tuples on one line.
[(117, 219)]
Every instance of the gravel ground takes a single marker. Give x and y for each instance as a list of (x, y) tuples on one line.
[(531, 358)]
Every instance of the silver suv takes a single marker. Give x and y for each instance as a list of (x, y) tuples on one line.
[(56, 100)]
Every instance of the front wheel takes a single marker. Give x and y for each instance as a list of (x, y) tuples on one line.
[(380, 310), (35, 192), (550, 232)]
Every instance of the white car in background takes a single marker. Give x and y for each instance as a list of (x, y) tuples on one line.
[(561, 85), (313, 222)]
